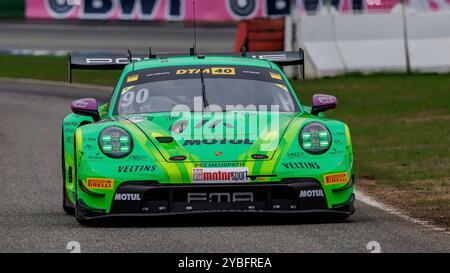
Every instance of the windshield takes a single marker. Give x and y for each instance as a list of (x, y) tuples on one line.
[(177, 89)]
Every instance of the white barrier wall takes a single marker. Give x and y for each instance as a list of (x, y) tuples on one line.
[(429, 41), (371, 42), (315, 35), (337, 44)]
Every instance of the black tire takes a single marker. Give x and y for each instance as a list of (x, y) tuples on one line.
[(68, 207), (77, 209), (344, 216), (78, 216), (70, 210)]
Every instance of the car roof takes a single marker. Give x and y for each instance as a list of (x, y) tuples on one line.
[(196, 60)]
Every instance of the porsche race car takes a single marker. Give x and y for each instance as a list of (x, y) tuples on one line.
[(199, 134)]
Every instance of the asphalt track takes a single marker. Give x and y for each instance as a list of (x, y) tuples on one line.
[(113, 37), (31, 217)]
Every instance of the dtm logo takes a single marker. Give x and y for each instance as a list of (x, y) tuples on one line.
[(311, 193), (127, 197)]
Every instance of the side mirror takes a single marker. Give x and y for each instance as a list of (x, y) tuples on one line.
[(86, 107), (321, 103)]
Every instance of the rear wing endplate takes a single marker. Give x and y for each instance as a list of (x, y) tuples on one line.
[(117, 61)]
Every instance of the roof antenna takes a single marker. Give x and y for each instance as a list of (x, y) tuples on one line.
[(195, 29), (150, 55), (243, 51), (130, 58)]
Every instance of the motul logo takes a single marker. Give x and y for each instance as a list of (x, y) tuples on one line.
[(127, 197), (311, 193)]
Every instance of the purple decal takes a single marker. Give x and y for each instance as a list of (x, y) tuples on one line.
[(322, 102), (86, 107), (88, 104)]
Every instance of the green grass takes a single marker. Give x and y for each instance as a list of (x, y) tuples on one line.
[(53, 69), (400, 125)]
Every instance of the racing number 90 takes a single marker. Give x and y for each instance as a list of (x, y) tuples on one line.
[(140, 96)]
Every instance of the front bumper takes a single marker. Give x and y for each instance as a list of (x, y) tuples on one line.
[(145, 199)]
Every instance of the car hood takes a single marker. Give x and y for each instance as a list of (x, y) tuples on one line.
[(215, 136)]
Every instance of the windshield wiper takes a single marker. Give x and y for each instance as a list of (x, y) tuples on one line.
[(205, 101)]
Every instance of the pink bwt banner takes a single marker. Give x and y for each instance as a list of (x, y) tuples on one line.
[(163, 10), (207, 10)]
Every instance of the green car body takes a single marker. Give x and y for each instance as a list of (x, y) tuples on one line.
[(158, 166)]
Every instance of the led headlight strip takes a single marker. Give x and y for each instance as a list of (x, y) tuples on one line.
[(115, 142), (315, 138)]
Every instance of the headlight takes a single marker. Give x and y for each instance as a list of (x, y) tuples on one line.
[(115, 142), (315, 138)]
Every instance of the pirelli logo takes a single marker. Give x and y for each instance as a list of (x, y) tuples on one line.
[(100, 183), (335, 178)]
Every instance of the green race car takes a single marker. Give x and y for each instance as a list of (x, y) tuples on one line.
[(199, 134)]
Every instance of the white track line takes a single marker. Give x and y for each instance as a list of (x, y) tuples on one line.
[(362, 197)]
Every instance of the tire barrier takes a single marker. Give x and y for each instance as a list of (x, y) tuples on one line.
[(260, 34)]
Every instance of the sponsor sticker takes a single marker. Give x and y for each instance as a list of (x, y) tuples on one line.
[(136, 168), (275, 76), (219, 175), (132, 78), (80, 104), (310, 193), (126, 89), (335, 178), (100, 183), (127, 197), (282, 86)]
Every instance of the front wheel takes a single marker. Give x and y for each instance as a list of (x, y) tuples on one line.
[(68, 209), (78, 216), (67, 206)]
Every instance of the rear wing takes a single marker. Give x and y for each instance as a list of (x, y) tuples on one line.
[(117, 61)]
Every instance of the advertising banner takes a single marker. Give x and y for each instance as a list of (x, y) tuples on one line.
[(210, 10), (161, 10)]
